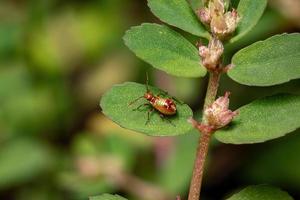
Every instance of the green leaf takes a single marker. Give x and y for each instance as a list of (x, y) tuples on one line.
[(115, 105), (261, 192), (178, 13), (250, 12), (263, 120), (107, 197), (196, 4), (165, 49), (269, 62)]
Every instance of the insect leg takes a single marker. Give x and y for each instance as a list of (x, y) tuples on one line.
[(135, 100), (137, 108), (148, 115), (165, 118)]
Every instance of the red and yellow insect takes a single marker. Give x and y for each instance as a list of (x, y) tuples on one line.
[(164, 106)]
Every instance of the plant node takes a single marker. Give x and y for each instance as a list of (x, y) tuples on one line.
[(215, 116), (218, 114), (204, 129)]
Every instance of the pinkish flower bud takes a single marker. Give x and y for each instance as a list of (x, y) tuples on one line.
[(218, 114), (225, 24), (218, 25), (232, 19), (211, 55), (203, 51), (204, 15)]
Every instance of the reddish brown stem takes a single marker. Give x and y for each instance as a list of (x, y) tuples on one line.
[(212, 88), (196, 182)]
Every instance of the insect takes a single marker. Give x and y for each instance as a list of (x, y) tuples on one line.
[(164, 106)]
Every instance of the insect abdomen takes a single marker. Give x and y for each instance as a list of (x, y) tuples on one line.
[(165, 106)]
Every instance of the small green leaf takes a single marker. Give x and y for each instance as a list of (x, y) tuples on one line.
[(263, 120), (178, 13), (269, 62), (250, 12), (107, 197), (115, 105), (261, 192), (165, 49)]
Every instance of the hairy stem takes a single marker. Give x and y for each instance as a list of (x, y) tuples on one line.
[(196, 182), (212, 88)]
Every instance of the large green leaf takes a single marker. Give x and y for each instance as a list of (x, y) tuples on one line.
[(261, 192), (107, 197), (115, 105), (195, 4), (178, 13), (250, 12), (270, 62), (165, 49), (263, 120)]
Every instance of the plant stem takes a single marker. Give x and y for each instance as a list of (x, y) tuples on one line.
[(212, 88), (196, 182)]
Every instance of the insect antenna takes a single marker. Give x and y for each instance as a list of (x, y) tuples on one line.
[(147, 82), (147, 90), (135, 100)]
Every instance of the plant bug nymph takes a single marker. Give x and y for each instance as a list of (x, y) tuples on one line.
[(164, 106)]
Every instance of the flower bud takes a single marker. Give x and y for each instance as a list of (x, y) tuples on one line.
[(211, 55), (222, 23), (204, 15), (218, 114), (225, 24), (232, 19), (216, 7)]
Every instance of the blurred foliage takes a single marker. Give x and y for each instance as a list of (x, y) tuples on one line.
[(56, 60), (21, 160), (284, 172), (181, 159)]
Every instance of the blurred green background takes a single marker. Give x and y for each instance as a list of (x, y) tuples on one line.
[(56, 60)]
